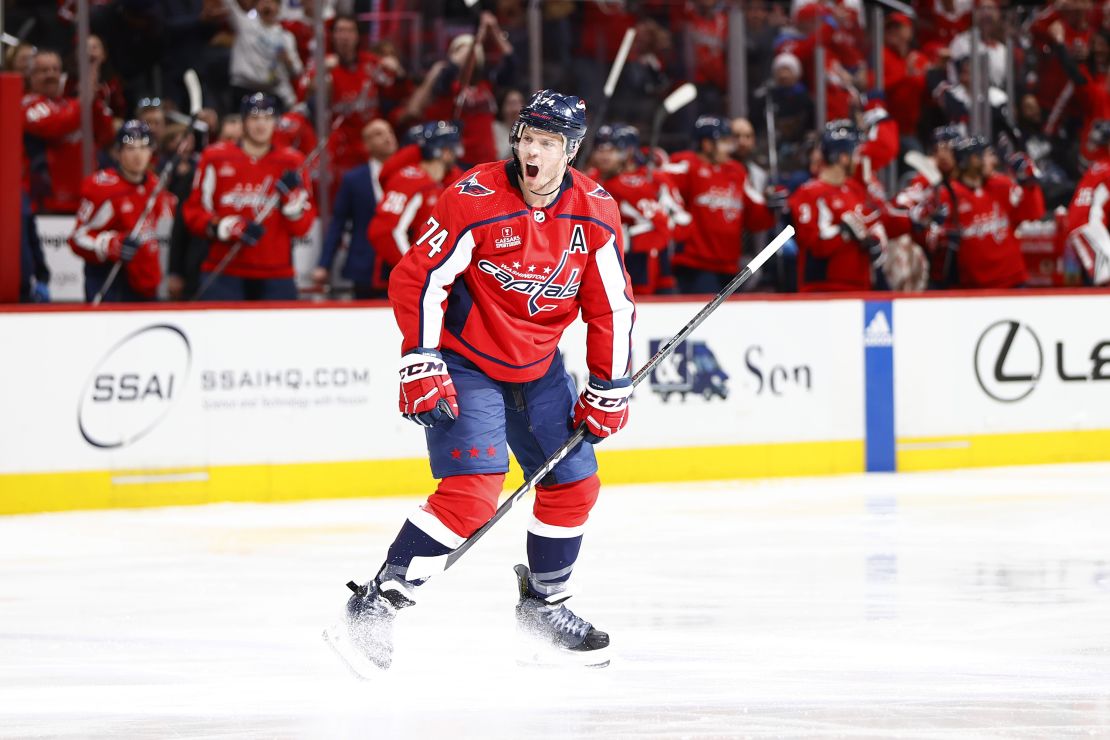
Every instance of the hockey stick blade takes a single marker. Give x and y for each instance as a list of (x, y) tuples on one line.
[(196, 97), (925, 166), (425, 567), (680, 98), (618, 63)]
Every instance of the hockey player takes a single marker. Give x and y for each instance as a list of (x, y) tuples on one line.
[(232, 184), (1088, 211), (839, 229), (983, 208), (411, 193), (511, 255), (646, 204), (111, 202), (715, 189)]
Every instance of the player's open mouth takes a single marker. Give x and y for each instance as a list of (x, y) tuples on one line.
[(531, 170)]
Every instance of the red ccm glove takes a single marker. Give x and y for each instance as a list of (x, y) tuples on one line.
[(602, 409), (428, 394)]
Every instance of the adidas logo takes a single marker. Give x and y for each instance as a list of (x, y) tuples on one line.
[(878, 333)]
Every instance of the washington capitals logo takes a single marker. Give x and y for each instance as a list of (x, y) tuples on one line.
[(602, 193), (471, 186)]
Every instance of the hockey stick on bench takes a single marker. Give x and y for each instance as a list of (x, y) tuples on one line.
[(424, 567), (192, 86)]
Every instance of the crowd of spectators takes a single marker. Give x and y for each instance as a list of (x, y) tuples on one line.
[(1045, 67)]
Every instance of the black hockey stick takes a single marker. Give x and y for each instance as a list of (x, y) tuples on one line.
[(424, 567), (192, 86)]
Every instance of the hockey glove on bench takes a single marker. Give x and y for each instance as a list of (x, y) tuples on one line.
[(602, 409), (428, 394)]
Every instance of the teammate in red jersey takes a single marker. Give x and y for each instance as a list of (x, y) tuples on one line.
[(410, 195), (52, 137), (1089, 211), (984, 208), (715, 189), (643, 199), (839, 228), (511, 255), (111, 202), (232, 184)]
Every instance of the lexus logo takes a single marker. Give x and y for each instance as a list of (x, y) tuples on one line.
[(1008, 361)]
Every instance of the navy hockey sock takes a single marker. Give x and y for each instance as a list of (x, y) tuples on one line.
[(410, 542), (551, 560)]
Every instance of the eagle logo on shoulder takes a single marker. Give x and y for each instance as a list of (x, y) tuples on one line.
[(471, 186), (600, 192)]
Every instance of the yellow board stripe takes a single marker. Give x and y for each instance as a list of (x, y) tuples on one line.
[(987, 450), (39, 492)]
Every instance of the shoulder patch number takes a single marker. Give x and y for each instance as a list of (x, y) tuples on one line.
[(394, 202), (434, 236)]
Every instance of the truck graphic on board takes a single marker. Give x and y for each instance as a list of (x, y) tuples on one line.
[(691, 368)]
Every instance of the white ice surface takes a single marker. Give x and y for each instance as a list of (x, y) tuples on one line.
[(948, 605)]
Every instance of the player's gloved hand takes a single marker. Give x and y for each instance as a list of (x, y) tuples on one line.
[(1025, 170), (928, 212), (295, 204), (428, 394), (236, 229), (776, 196), (853, 226), (876, 243), (128, 248), (288, 182), (602, 408)]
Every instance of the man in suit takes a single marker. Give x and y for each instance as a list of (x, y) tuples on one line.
[(355, 204)]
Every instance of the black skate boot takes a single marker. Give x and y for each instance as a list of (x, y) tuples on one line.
[(367, 642), (566, 637)]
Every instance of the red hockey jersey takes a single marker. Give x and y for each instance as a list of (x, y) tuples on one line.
[(228, 182), (989, 255), (355, 94), (722, 205), (1091, 202), (498, 282), (828, 259), (110, 208), (52, 135), (408, 198), (295, 131)]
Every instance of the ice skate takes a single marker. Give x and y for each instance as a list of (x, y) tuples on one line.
[(554, 635), (365, 641)]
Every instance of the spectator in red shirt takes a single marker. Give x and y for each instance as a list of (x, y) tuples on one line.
[(52, 137), (903, 78)]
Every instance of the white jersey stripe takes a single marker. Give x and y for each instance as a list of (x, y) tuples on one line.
[(401, 230), (99, 220), (431, 302), (612, 277)]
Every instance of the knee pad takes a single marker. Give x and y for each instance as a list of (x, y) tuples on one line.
[(565, 505), (463, 503)]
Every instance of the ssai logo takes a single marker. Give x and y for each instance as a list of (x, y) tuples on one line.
[(134, 386)]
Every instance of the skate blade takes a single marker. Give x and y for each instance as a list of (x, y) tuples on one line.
[(336, 638), (550, 657)]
